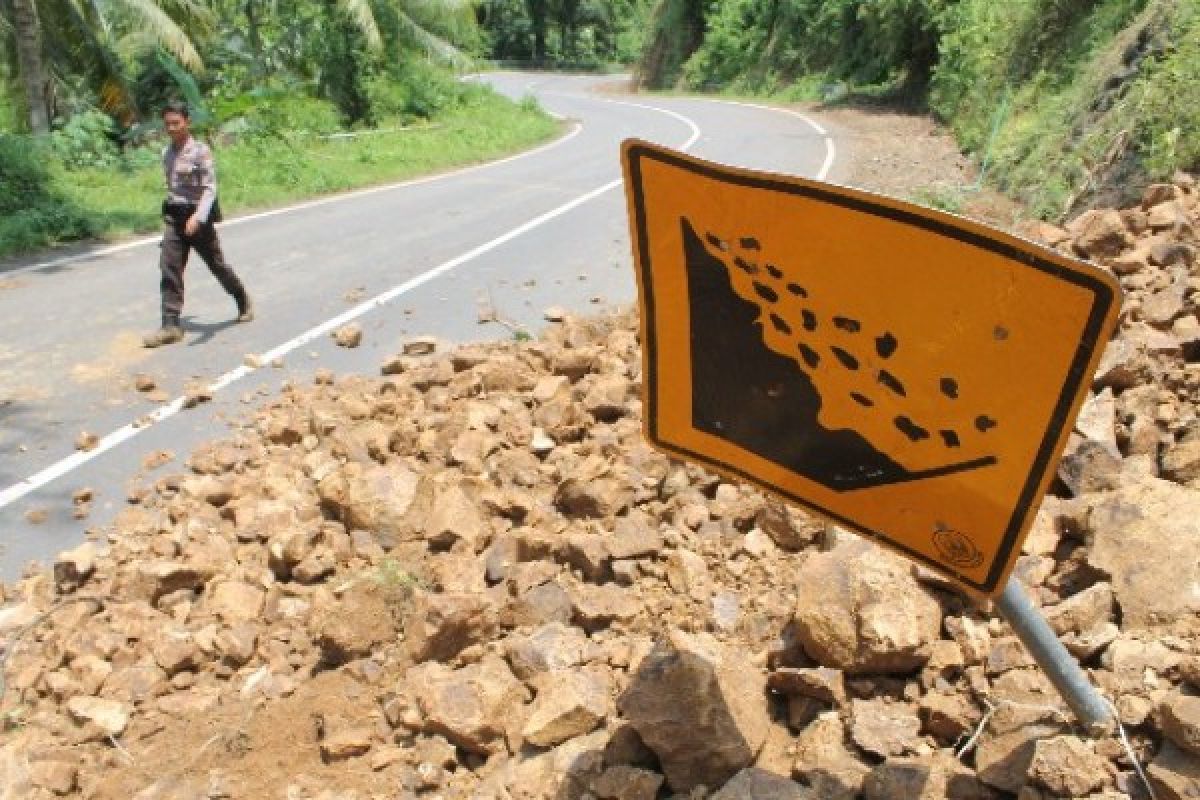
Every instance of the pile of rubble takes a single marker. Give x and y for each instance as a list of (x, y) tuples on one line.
[(471, 578)]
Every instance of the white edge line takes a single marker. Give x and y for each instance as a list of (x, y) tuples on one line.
[(576, 129), (830, 148), (15, 492)]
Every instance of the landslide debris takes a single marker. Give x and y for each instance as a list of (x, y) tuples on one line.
[(470, 577)]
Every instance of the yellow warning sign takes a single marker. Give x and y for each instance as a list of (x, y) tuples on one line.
[(907, 373)]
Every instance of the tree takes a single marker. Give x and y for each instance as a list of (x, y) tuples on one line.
[(95, 40), (29, 62)]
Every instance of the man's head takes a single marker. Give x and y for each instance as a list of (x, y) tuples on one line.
[(176, 121)]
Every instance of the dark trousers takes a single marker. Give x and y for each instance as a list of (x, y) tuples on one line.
[(176, 246)]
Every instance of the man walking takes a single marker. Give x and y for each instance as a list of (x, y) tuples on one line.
[(189, 214)]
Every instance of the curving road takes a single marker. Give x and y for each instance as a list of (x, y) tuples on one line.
[(543, 228)]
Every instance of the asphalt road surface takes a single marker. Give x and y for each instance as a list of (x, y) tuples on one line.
[(543, 228)]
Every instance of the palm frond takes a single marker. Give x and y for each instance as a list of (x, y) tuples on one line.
[(362, 15), (149, 17), (438, 48), (75, 32)]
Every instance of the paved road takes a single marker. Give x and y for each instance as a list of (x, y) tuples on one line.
[(543, 228)]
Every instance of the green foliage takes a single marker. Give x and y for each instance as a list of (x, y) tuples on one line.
[(762, 45), (33, 211), (1063, 101), (86, 140), (415, 90), (577, 34)]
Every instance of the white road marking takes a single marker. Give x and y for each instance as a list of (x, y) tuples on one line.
[(830, 148), (576, 129), (15, 492)]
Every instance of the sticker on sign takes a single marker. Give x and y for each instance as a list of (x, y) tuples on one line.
[(906, 373)]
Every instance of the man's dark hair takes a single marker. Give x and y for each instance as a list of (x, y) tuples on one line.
[(176, 107)]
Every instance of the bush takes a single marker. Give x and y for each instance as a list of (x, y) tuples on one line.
[(32, 213), (86, 140)]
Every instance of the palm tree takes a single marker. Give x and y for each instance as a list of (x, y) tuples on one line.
[(96, 39), (29, 63)]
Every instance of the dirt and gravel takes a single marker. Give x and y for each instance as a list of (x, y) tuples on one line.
[(470, 577)]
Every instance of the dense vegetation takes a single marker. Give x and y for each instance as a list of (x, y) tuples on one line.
[(565, 33), (273, 85), (1063, 100)]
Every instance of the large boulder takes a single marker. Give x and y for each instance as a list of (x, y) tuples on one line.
[(701, 708), (859, 609), (1147, 536)]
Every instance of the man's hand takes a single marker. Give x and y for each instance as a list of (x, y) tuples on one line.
[(192, 225)]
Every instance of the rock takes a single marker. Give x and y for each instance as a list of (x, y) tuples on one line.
[(1003, 760), (236, 645), (551, 648), (549, 602), (386, 500), (1068, 766), (351, 626), (440, 626), (588, 552), (234, 601), (73, 567), (1089, 466), (823, 759), (1099, 234), (1158, 193), (948, 716), (884, 728), (150, 580), (420, 346), (859, 609), (348, 335), (569, 703), (108, 716), (175, 651), (791, 530), (623, 782), (938, 778), (86, 440), (347, 743), (1097, 419), (144, 383), (473, 706), (596, 607), (58, 777), (758, 784), (1180, 721), (1181, 462), (1174, 774), (607, 398), (687, 574), (599, 498), (1082, 611), (699, 707), (819, 683), (456, 518), (554, 314), (1150, 528)]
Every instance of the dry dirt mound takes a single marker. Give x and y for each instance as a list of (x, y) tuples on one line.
[(471, 578)]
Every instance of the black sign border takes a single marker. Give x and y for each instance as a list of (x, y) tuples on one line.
[(1104, 297)]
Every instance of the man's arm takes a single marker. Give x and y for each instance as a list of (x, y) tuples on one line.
[(208, 180)]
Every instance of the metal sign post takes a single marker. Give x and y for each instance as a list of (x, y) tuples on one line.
[(1091, 709)]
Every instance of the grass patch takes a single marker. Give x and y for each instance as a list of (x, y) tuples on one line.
[(267, 171)]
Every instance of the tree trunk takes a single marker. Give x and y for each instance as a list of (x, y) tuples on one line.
[(29, 62)]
